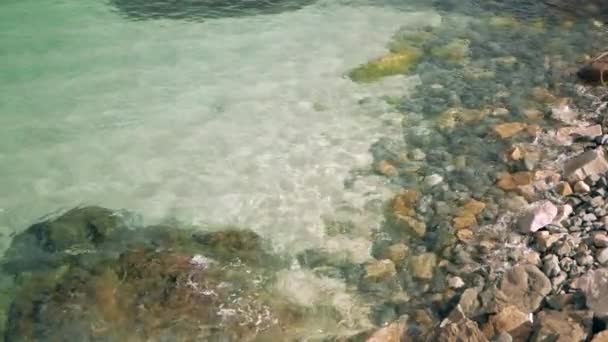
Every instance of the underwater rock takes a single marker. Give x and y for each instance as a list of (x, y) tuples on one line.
[(456, 51), (423, 265), (507, 130), (380, 270), (398, 63), (198, 10)]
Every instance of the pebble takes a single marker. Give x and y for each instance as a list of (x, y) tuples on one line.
[(597, 201), (455, 282), (581, 187), (417, 154), (589, 218), (600, 239), (602, 256), (585, 260), (433, 180)]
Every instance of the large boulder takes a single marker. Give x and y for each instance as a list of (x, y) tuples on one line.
[(594, 285), (525, 286)]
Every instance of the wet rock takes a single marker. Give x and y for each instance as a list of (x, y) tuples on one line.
[(588, 163), (568, 326), (595, 287), (404, 203), (508, 130), (538, 217), (380, 270), (509, 320), (417, 154), (387, 168), (525, 286), (465, 235), (563, 112), (457, 51), (464, 222), (423, 265), (581, 187), (457, 327)]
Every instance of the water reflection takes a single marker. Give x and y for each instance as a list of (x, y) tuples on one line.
[(197, 10)]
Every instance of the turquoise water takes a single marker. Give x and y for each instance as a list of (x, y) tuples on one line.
[(245, 116)]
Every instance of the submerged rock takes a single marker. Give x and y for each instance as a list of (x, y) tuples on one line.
[(203, 9), (397, 63)]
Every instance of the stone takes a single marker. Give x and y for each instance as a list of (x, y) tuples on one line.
[(600, 239), (581, 187), (404, 203), (472, 207), (560, 301), (414, 225), (531, 257), (465, 235), (600, 337), (591, 162), (538, 217), (551, 265), (563, 189), (591, 132), (397, 252), (533, 114), (433, 180), (545, 240), (516, 153), (457, 328), (562, 112), (510, 320), (562, 326), (391, 64), (464, 222), (417, 154), (456, 51), (387, 168), (500, 111), (563, 212), (455, 282), (525, 286), (542, 95), (423, 265), (508, 130), (380, 270), (393, 332), (602, 256), (594, 285), (585, 260)]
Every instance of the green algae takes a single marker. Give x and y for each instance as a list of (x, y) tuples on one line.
[(389, 65)]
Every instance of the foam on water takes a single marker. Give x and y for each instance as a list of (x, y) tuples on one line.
[(245, 121)]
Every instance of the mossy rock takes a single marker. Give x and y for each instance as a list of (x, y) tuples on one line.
[(456, 51), (405, 40), (389, 65)]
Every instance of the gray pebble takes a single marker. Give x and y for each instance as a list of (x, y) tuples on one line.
[(585, 260)]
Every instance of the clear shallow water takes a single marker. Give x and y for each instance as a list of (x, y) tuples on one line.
[(245, 120)]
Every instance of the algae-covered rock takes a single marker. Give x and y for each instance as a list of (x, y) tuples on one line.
[(396, 63), (456, 51)]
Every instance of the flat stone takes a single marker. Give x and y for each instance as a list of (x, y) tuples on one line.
[(507, 130), (465, 235), (423, 265), (591, 162), (562, 112), (380, 270), (562, 326), (525, 286), (581, 187), (404, 203), (536, 218)]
